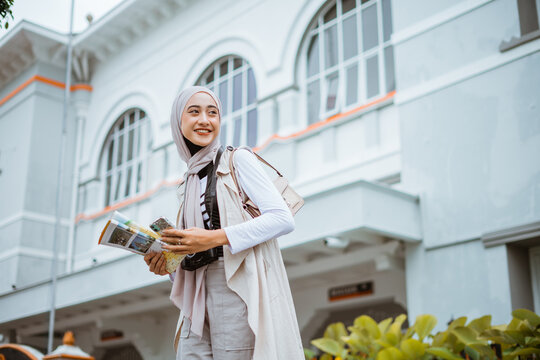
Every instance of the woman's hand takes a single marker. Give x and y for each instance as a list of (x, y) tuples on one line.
[(193, 240), (156, 263)]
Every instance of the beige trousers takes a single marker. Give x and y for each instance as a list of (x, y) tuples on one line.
[(226, 334)]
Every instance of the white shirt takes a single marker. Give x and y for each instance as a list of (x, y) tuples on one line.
[(276, 219)]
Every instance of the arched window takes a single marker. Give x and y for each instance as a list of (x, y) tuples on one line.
[(232, 79), (349, 56), (123, 162)]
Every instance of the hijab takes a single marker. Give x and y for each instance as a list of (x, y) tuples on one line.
[(188, 290)]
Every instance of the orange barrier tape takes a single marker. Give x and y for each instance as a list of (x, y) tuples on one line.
[(44, 80)]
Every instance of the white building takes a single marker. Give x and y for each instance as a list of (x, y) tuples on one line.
[(412, 129)]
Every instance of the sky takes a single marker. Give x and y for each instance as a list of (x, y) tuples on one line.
[(54, 14)]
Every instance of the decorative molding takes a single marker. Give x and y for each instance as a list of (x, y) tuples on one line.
[(527, 234), (31, 252), (439, 19), (466, 72), (517, 41), (32, 216)]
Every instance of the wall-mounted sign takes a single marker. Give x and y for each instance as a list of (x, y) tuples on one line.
[(350, 291)]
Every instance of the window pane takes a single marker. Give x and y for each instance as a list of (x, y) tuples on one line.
[(138, 138), (139, 178), (119, 159), (332, 89), (352, 84), (224, 68), (314, 98), (224, 97), (389, 68), (251, 87), (330, 14), (331, 49), (369, 27), (108, 190), (223, 134), (347, 5), (237, 131), (110, 155), (372, 70), (387, 19), (237, 92), (132, 118), (252, 127), (350, 40), (237, 63), (313, 56), (130, 144), (128, 182), (117, 187), (210, 77), (121, 124), (142, 115)]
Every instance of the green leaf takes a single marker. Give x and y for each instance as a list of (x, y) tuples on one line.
[(480, 324), (391, 353), (335, 332), (365, 322), (473, 354), (424, 324), (309, 354), (525, 351), (326, 357), (443, 353), (465, 335), (329, 346), (355, 343), (514, 324), (395, 328), (524, 314), (497, 336), (518, 336), (383, 343), (439, 339), (461, 321), (412, 348), (484, 351), (392, 338), (383, 325)]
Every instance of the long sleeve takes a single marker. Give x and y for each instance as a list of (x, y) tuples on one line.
[(276, 218)]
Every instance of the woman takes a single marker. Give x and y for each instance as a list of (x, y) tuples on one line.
[(240, 305)]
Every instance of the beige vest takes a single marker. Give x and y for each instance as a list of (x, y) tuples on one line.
[(258, 276)]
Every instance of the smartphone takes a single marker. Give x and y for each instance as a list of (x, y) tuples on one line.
[(161, 224)]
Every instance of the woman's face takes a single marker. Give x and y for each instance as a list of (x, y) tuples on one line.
[(200, 119)]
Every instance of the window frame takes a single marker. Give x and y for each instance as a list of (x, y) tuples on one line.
[(227, 120), (317, 28), (138, 162), (525, 35)]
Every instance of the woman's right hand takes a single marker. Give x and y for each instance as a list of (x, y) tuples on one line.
[(156, 263)]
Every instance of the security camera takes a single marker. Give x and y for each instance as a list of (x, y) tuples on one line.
[(336, 243)]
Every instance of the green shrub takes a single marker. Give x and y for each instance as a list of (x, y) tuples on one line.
[(368, 340)]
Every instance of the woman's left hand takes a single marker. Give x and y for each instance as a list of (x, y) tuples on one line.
[(193, 240)]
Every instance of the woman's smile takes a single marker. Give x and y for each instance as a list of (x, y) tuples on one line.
[(200, 119)]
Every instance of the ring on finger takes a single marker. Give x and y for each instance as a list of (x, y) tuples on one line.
[(179, 242)]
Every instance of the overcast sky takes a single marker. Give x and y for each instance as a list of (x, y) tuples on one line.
[(54, 14)]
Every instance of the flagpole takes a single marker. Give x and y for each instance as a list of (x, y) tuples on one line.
[(59, 184)]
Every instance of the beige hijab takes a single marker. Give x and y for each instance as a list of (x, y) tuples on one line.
[(188, 290)]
